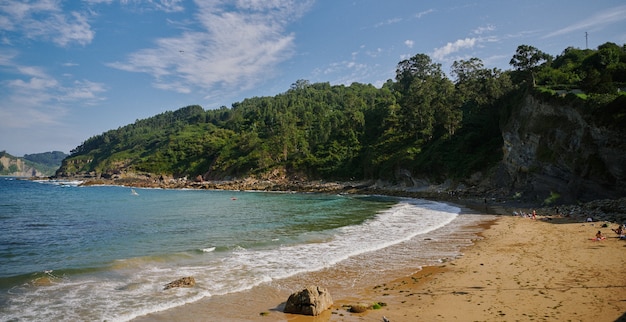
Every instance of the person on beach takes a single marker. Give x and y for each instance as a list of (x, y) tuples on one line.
[(619, 231), (534, 214), (599, 236)]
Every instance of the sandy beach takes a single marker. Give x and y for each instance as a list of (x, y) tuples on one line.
[(521, 269)]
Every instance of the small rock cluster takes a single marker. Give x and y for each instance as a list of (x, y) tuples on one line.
[(188, 281)]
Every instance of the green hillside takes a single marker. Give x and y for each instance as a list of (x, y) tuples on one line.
[(422, 122), (39, 164)]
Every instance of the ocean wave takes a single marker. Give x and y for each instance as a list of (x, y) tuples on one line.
[(63, 183), (132, 287)]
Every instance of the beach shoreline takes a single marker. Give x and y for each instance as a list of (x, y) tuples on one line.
[(516, 269), (347, 281)]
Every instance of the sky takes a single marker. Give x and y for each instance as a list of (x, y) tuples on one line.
[(70, 70)]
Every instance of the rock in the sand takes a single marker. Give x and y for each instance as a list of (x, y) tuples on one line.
[(359, 308), (188, 281), (312, 300)]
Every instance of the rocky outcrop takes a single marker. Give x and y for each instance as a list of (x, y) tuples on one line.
[(312, 300), (607, 210), (552, 148), (75, 168), (181, 282), (13, 166)]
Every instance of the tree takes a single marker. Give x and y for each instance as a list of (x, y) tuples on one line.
[(300, 84), (424, 90), (602, 68), (476, 85), (527, 59)]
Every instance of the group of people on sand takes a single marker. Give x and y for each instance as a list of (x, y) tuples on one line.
[(532, 215), (620, 231)]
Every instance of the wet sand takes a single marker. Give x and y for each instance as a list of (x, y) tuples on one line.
[(521, 269)]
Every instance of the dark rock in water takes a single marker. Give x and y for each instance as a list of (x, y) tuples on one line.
[(188, 281), (312, 300)]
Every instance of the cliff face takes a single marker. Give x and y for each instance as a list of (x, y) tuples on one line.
[(551, 149), (74, 168), (17, 167)]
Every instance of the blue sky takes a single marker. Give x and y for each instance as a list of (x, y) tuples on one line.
[(70, 70)]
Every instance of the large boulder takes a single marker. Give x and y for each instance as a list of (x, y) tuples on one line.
[(312, 300), (182, 282)]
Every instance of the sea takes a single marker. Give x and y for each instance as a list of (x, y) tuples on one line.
[(104, 253)]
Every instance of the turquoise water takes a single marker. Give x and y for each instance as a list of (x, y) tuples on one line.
[(103, 253)]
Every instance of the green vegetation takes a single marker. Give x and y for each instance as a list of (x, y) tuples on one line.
[(52, 159), (46, 163), (13, 168), (422, 121), (552, 198), (378, 305)]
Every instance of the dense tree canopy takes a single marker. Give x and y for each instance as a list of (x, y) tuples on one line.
[(53, 158), (421, 121)]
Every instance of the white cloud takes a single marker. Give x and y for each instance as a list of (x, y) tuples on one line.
[(350, 70), (99, 1), (162, 5), (31, 97), (232, 49), (452, 47), (388, 22), (85, 91), (347, 71), (423, 13), (168, 5), (374, 53), (45, 20), (409, 43), (483, 29), (599, 19)]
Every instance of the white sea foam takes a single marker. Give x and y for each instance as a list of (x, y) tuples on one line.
[(128, 291), (63, 183)]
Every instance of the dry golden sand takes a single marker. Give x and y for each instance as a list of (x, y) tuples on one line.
[(522, 270)]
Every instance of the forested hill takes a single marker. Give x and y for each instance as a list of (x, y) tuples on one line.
[(422, 125)]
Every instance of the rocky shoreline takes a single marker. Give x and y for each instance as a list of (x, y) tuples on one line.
[(604, 210)]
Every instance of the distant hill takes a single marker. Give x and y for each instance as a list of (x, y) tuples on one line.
[(50, 159), (31, 165)]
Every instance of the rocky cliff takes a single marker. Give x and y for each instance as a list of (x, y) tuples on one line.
[(562, 151), (13, 166)]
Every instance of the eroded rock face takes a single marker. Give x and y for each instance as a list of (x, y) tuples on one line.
[(556, 148), (188, 281), (312, 300), (21, 169)]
